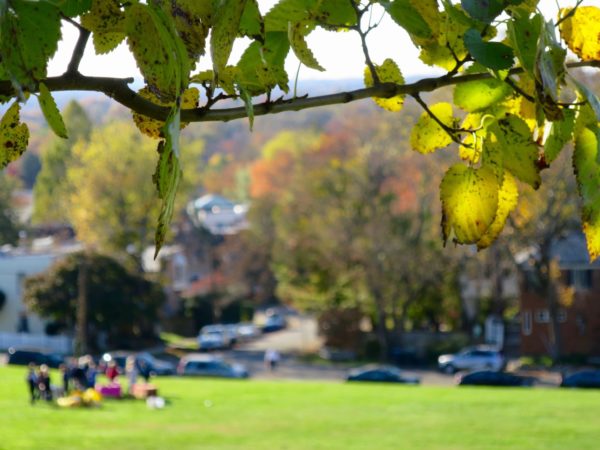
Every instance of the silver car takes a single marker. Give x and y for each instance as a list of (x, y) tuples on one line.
[(474, 358), (210, 366)]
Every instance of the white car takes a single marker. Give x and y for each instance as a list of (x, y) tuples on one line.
[(475, 358), (214, 337)]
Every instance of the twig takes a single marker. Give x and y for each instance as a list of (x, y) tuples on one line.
[(569, 14), (452, 132), (79, 49), (363, 39)]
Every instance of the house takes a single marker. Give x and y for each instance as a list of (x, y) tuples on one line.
[(217, 214), (579, 313)]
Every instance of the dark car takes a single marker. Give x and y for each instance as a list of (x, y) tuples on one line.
[(583, 379), (25, 357), (493, 378), (144, 362), (379, 373)]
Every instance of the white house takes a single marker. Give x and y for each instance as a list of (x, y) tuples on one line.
[(14, 267)]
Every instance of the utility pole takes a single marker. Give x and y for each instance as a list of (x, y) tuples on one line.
[(82, 278)]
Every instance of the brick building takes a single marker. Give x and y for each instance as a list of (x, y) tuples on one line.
[(580, 319)]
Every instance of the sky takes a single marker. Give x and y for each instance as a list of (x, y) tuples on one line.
[(339, 53)]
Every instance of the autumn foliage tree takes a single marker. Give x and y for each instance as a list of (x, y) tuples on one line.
[(516, 102)]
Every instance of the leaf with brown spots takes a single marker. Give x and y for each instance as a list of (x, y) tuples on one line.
[(106, 21), (14, 136), (469, 202), (154, 128)]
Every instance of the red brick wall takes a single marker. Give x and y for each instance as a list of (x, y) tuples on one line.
[(580, 332)]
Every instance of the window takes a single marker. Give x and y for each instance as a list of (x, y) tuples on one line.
[(562, 315), (542, 316), (580, 279), (526, 324)]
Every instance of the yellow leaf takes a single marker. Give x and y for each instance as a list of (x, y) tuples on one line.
[(388, 72), (427, 135), (507, 201), (587, 172), (581, 31), (14, 136), (473, 147), (469, 202), (152, 127)]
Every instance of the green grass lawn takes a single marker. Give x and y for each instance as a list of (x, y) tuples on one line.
[(211, 414)]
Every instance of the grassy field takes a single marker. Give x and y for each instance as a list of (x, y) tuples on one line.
[(211, 414)]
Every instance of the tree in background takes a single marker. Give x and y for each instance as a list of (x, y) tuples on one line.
[(110, 205), (122, 307), (9, 228), (347, 231), (51, 191)]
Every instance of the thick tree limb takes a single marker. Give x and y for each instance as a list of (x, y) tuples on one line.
[(118, 89)]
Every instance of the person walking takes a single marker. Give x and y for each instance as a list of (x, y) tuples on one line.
[(131, 372), (43, 383), (32, 383), (272, 358)]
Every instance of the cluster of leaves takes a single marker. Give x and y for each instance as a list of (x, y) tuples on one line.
[(522, 105)]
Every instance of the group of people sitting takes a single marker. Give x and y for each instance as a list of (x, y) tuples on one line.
[(77, 375)]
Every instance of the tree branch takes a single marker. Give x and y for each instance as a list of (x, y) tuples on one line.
[(118, 89), (82, 40)]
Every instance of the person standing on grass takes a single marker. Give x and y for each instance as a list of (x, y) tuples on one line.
[(44, 383), (66, 375), (32, 383), (112, 371), (131, 373)]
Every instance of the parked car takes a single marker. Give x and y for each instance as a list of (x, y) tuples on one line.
[(210, 366), (380, 373), (214, 337), (25, 357), (475, 358), (583, 379), (247, 331), (144, 361), (493, 378), (274, 322)]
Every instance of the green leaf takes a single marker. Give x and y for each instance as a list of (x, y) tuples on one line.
[(192, 20), (510, 145), (587, 173), (51, 112), (493, 55), (483, 10), (508, 197), (409, 18), (427, 135), (550, 64), (524, 33), (589, 96), (14, 136), (560, 133), (167, 175), (72, 8), (481, 94), (247, 98), (261, 68), (29, 35), (251, 22), (388, 72), (286, 11), (227, 18), (469, 202), (106, 21), (296, 34), (158, 50), (333, 13)]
